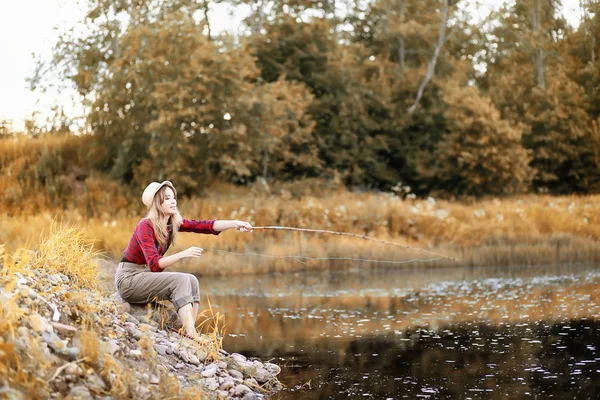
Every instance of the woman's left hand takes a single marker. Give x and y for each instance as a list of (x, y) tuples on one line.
[(243, 226)]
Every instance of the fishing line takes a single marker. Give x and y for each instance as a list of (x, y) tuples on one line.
[(303, 259), (288, 228)]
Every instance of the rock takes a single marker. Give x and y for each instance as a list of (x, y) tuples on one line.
[(53, 341), (211, 384), (134, 332), (40, 324), (236, 374), (55, 279), (241, 390), (95, 383), (132, 319), (238, 357), (80, 392), (154, 379), (262, 375), (136, 353), (209, 372), (63, 329), (112, 346), (274, 369), (161, 349), (221, 364), (250, 396), (71, 353), (227, 384), (74, 369), (170, 348), (251, 382), (183, 355), (202, 354), (194, 360)]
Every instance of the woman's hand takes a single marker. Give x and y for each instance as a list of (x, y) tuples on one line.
[(243, 226), (193, 252)]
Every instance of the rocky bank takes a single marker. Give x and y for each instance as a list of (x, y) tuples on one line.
[(60, 341)]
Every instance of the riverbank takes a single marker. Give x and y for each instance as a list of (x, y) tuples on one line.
[(61, 336), (532, 229)]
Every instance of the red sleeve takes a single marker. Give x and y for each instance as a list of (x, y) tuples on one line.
[(205, 226), (144, 234)]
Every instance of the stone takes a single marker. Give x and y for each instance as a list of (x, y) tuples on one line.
[(227, 384), (71, 353), (211, 384), (209, 372), (80, 392), (194, 360), (53, 341), (241, 390), (236, 374), (274, 369), (262, 375), (95, 383), (112, 346), (251, 382), (40, 324), (136, 353), (74, 369), (161, 349), (250, 396)]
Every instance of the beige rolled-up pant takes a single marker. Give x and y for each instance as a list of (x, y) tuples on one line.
[(137, 284)]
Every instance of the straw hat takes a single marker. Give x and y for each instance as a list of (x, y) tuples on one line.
[(151, 190)]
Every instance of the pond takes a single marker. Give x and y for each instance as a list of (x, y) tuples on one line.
[(452, 333)]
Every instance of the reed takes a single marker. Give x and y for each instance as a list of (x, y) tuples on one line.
[(520, 230)]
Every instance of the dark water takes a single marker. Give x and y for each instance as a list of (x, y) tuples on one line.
[(519, 332)]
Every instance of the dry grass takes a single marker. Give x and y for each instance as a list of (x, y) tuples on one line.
[(212, 327), (28, 372), (525, 230), (22, 374), (68, 251)]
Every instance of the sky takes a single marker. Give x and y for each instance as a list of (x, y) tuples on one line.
[(29, 27)]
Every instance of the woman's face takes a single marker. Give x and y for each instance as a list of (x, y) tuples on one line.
[(169, 205)]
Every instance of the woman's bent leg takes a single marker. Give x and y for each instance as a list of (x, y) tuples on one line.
[(149, 286)]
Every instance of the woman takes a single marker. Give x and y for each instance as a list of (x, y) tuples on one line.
[(140, 277)]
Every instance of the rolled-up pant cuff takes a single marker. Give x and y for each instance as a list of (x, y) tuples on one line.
[(183, 301)]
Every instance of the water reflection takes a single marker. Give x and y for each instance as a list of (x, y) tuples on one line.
[(463, 333)]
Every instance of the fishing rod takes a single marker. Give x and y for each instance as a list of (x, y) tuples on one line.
[(288, 228)]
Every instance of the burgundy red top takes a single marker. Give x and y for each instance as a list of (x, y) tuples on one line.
[(143, 248)]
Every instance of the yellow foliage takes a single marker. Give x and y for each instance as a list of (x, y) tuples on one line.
[(67, 251)]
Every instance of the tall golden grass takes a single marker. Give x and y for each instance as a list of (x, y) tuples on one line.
[(43, 183), (527, 230)]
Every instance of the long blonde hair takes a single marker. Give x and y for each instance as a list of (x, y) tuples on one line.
[(158, 217)]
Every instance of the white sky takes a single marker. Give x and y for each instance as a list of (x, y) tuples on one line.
[(28, 27)]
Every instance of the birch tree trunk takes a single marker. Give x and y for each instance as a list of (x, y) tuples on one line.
[(539, 52), (401, 47), (433, 60)]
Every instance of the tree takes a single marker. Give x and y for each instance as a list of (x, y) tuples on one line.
[(550, 105), (480, 153)]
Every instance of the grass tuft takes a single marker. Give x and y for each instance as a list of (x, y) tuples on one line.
[(68, 251)]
